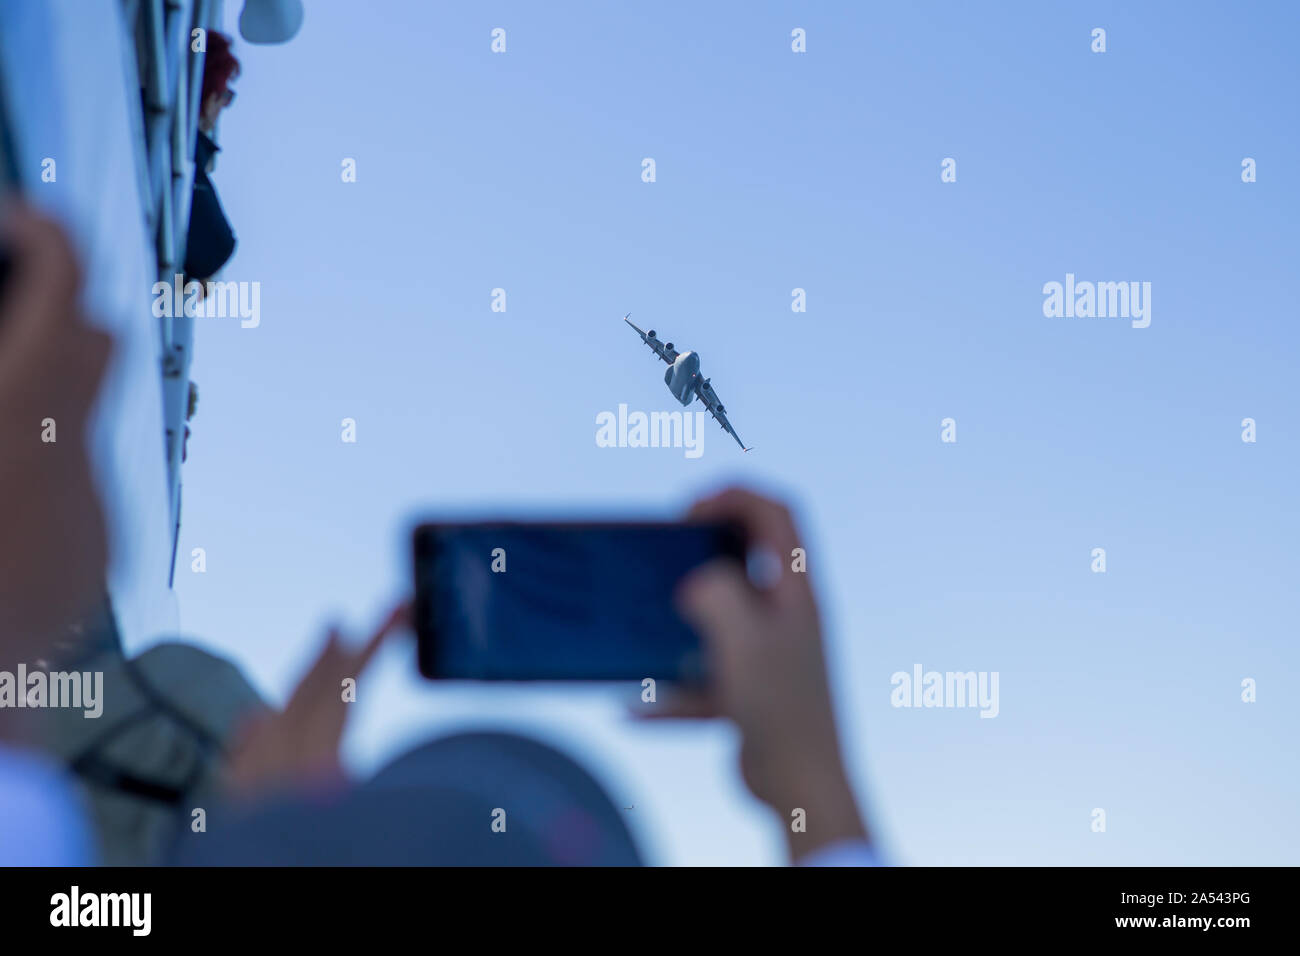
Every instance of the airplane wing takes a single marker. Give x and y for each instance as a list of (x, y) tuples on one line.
[(710, 399), (665, 352)]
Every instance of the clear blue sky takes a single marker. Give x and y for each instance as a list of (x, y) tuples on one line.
[(821, 171)]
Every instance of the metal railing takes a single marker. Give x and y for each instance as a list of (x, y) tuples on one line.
[(171, 79)]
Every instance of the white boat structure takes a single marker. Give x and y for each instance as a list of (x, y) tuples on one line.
[(99, 105)]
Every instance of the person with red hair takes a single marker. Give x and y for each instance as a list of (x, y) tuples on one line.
[(211, 241), (219, 68)]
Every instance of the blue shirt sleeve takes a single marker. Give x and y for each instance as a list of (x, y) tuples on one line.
[(42, 820), (844, 853)]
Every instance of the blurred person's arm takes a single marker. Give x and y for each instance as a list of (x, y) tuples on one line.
[(53, 549), (53, 552), (769, 677)]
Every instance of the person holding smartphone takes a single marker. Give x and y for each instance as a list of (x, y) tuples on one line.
[(767, 675)]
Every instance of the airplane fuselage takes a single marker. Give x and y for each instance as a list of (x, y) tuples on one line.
[(682, 376)]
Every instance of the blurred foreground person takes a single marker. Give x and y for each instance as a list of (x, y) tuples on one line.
[(53, 550), (178, 726)]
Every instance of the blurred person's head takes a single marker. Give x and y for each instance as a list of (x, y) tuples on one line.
[(219, 67), (53, 546)]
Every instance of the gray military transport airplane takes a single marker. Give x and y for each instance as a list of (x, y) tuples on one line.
[(684, 380)]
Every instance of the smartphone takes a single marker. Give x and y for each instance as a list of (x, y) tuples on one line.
[(530, 601)]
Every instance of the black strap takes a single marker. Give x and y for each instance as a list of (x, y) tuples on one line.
[(93, 768)]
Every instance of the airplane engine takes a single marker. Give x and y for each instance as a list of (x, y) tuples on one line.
[(650, 334), (670, 345)]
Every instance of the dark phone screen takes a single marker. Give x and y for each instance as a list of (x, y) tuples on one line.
[(574, 602)]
